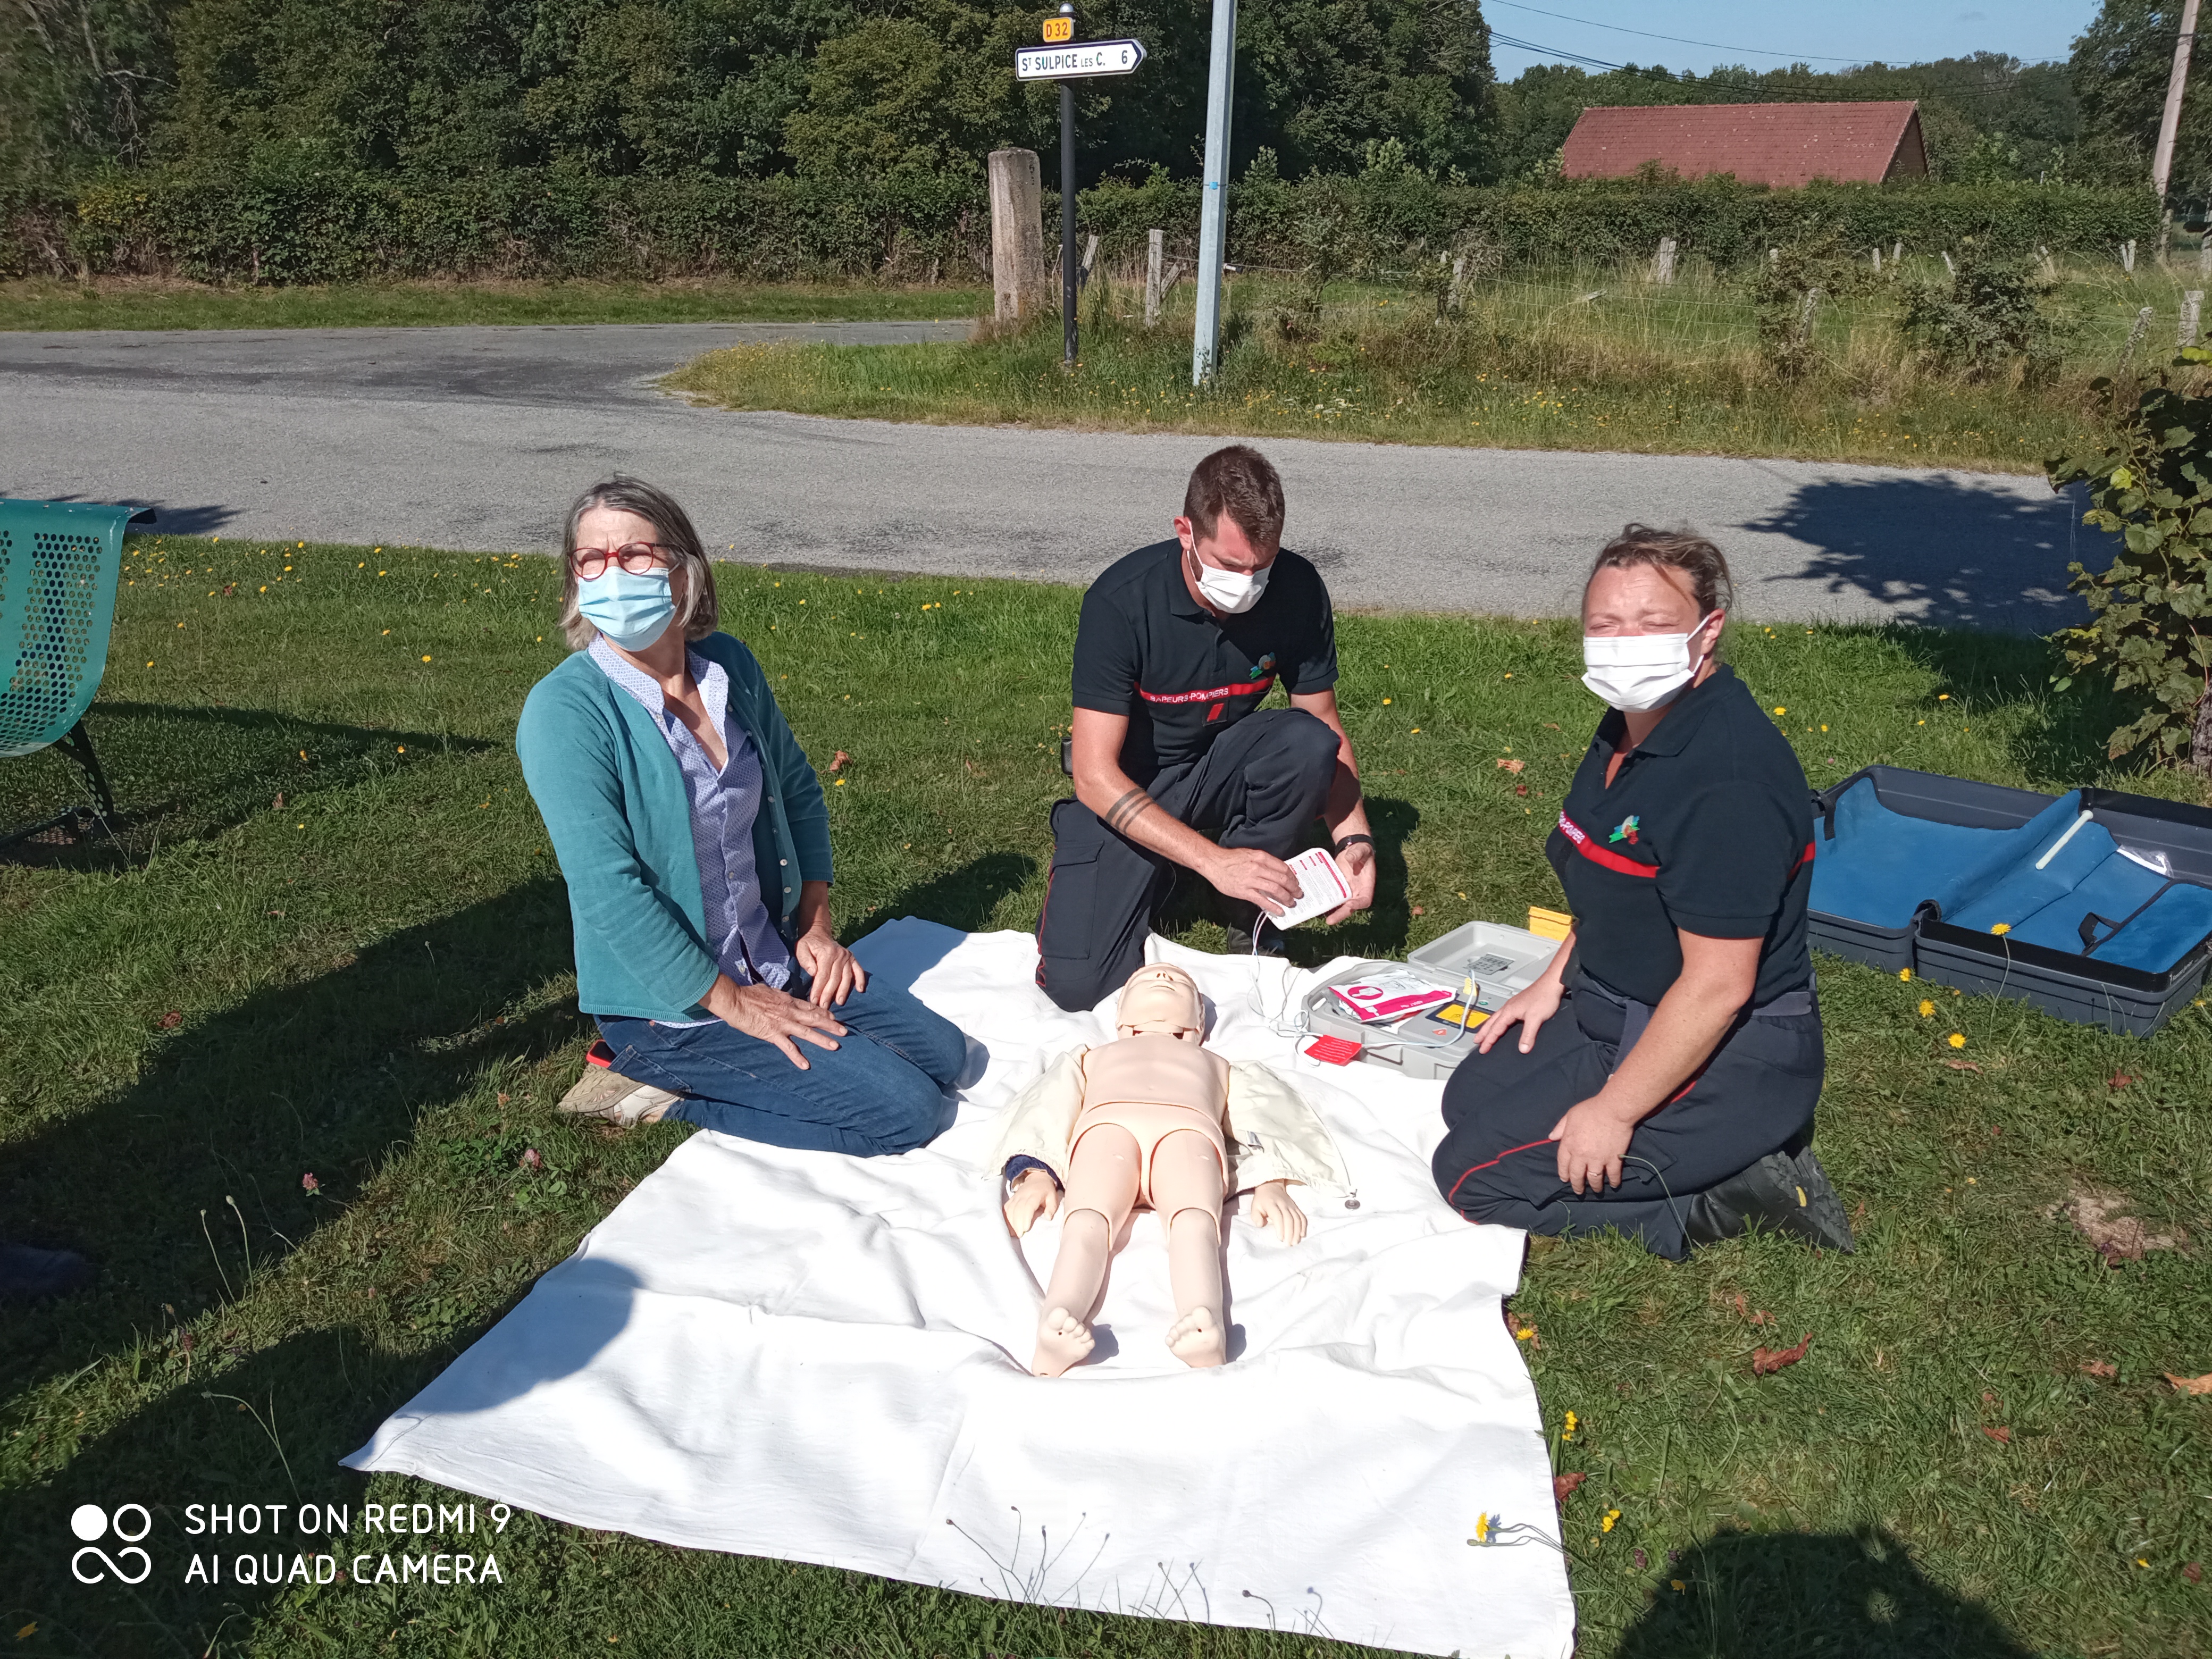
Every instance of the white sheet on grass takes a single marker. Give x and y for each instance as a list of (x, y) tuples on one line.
[(822, 1359)]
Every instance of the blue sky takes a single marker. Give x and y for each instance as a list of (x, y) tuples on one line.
[(1827, 33)]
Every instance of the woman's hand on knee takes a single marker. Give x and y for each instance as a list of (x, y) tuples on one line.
[(836, 972), (1035, 1197), (1527, 1009), (773, 1016), (1272, 1208)]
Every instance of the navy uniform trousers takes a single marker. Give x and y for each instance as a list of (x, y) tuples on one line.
[(1498, 1164), (1260, 784)]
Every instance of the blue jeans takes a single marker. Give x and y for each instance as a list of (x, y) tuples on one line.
[(881, 1089)]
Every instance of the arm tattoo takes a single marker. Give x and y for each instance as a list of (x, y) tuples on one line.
[(1124, 812)]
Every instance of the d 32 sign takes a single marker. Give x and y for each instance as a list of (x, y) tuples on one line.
[(1057, 30), (1077, 60)]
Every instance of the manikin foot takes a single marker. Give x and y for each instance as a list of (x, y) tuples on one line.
[(1062, 1340), (1198, 1339)]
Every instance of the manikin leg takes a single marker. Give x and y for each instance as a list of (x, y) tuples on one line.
[(1102, 1189), (1187, 1191)]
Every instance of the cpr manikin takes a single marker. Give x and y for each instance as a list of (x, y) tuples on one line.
[(1155, 1119)]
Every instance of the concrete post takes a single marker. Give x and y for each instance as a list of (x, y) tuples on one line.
[(1662, 262), (1155, 253), (1213, 204), (2191, 303), (1017, 276)]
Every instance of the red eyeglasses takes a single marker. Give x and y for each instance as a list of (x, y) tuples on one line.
[(636, 557)]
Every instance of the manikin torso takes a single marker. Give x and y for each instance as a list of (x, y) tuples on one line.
[(1156, 1070)]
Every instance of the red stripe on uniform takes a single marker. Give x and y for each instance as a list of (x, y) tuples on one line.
[(1602, 856), (1500, 1158), (1253, 688), (1804, 859)]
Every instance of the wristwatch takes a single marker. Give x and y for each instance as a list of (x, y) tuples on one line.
[(1351, 841)]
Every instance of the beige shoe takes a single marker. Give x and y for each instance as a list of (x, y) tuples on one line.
[(620, 1100)]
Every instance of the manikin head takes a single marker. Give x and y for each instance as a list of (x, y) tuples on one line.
[(1163, 1000)]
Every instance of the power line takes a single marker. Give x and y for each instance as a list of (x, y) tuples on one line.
[(1679, 39)]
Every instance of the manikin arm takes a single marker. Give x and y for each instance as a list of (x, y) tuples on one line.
[(1272, 1208), (1034, 1196)]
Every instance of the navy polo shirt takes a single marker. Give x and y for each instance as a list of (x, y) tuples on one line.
[(1708, 828), (1145, 648)]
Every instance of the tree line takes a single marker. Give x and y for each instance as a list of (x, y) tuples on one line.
[(872, 90)]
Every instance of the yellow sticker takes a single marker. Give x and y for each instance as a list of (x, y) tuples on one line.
[(1450, 1012)]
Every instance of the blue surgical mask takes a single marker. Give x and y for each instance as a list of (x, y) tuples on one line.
[(632, 612)]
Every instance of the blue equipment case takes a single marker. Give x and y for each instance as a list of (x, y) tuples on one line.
[(2095, 905)]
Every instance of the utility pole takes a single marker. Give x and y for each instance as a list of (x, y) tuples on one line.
[(1067, 216), (2161, 166), (1213, 206)]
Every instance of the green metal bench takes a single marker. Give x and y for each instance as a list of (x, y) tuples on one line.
[(60, 562)]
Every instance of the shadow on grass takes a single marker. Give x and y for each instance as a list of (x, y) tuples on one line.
[(1963, 553), (180, 773), (2064, 743), (321, 1076), (1812, 1595), (964, 898), (270, 1430)]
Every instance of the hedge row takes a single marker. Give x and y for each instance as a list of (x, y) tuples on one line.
[(312, 227), (1379, 221)]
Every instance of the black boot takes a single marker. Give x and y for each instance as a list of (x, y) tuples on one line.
[(27, 1272), (1241, 922), (1789, 1194)]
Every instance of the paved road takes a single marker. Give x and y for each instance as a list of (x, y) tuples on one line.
[(478, 437)]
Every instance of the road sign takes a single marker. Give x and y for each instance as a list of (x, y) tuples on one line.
[(1057, 30), (1077, 60)]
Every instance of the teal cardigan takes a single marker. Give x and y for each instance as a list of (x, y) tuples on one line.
[(613, 800)]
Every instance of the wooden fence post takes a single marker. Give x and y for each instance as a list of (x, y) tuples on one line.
[(1662, 262), (2136, 336), (2191, 303), (2127, 256), (1018, 277), (1949, 270), (2204, 253), (1155, 255)]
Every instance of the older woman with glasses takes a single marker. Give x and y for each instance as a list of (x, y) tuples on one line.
[(696, 843)]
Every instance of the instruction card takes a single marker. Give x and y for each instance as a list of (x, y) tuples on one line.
[(1322, 887)]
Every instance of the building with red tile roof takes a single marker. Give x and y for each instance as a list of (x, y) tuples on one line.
[(1782, 144)]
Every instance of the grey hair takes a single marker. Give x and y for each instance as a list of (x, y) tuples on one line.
[(700, 610)]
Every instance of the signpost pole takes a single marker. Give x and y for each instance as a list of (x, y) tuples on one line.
[(1213, 206), (1067, 273)]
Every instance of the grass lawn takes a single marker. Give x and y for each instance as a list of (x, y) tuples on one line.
[(341, 948), (1593, 358), (42, 302)]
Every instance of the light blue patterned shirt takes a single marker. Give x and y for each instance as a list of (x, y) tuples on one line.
[(745, 941)]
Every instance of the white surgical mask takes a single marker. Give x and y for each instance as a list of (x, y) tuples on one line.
[(1639, 671), (1231, 592)]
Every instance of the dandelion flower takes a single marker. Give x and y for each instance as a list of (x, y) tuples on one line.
[(1926, 1008), (1679, 1586), (426, 659), (1957, 1039), (1386, 702), (2002, 927), (1483, 1525), (1611, 1516), (1780, 711), (1905, 973), (1572, 1424), (1942, 696)]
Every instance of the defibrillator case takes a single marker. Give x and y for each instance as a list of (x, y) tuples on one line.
[(1500, 959), (2095, 905)]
